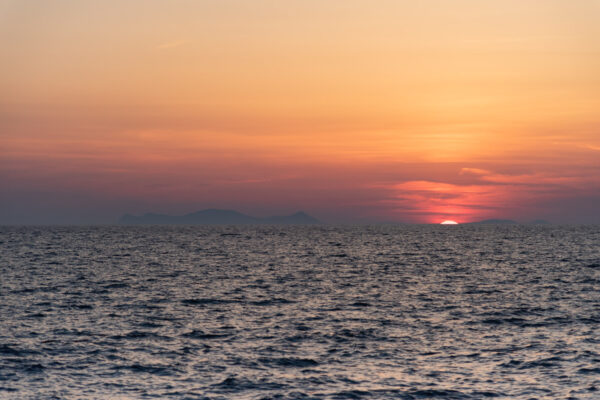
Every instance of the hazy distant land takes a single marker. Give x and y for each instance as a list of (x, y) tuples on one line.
[(509, 222), (217, 217), (232, 217)]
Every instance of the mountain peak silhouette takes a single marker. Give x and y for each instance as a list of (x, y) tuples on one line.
[(215, 216)]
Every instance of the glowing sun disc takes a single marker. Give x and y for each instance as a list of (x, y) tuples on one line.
[(449, 222)]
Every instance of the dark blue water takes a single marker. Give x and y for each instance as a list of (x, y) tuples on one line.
[(415, 312)]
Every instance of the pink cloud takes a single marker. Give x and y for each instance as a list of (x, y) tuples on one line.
[(487, 194)]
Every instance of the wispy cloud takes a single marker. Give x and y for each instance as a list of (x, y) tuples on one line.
[(172, 44), (591, 147)]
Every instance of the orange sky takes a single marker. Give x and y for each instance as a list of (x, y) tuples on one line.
[(349, 110)]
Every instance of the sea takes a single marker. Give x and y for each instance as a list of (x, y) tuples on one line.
[(300, 312)]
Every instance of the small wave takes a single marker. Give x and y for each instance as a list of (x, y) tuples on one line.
[(118, 285), (589, 371), (271, 302), (478, 395), (290, 362), (197, 302), (35, 315), (542, 363), (438, 394), (148, 369), (150, 325), (353, 394), (297, 338), (34, 368), (303, 328), (27, 290), (83, 306), (133, 335), (71, 332), (346, 334), (235, 384), (199, 334), (10, 351), (500, 321)]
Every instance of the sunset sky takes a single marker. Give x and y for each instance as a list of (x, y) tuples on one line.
[(353, 111)]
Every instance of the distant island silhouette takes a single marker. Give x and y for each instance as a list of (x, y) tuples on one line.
[(496, 222), (508, 222), (217, 217)]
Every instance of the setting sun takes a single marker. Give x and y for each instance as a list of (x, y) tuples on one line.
[(449, 222)]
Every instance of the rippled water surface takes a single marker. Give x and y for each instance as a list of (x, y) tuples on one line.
[(409, 312)]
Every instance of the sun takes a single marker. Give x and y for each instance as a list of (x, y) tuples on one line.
[(449, 222)]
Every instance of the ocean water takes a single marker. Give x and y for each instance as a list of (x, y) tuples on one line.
[(321, 312)]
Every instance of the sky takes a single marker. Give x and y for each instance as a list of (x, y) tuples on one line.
[(352, 111)]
